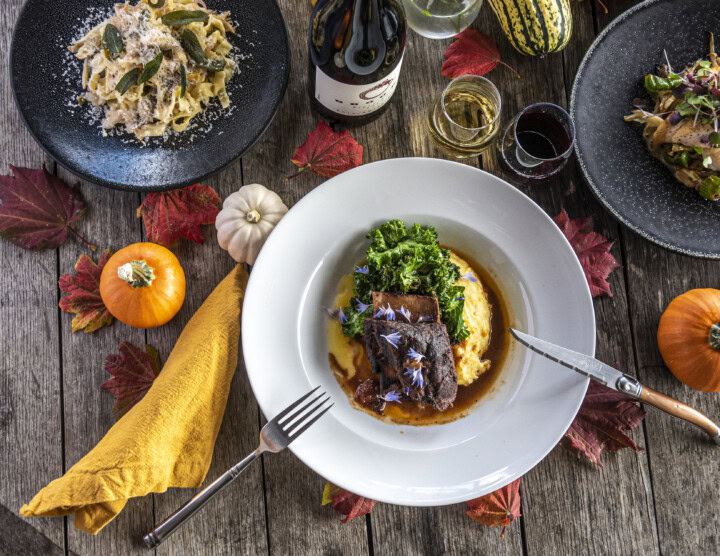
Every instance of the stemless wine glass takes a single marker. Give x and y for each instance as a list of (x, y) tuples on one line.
[(463, 121), (441, 19), (538, 141)]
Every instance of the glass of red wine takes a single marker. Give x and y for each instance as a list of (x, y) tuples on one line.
[(538, 142)]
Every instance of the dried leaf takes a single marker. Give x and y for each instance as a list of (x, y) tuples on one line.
[(170, 215), (328, 153), (346, 503), (133, 371), (472, 53), (599, 425), (499, 508), (592, 249), (37, 209), (84, 299)]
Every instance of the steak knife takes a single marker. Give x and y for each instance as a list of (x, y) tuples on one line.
[(612, 378)]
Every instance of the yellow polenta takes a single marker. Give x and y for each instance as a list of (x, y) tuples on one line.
[(469, 363), (468, 354)]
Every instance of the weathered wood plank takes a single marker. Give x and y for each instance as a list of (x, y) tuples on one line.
[(567, 503), (30, 417), (234, 523), (87, 407), (293, 491)]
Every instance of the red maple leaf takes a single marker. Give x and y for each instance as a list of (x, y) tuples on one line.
[(592, 249), (346, 503), (133, 372), (327, 153), (600, 424), (37, 209), (499, 508), (472, 53), (84, 299), (170, 215)]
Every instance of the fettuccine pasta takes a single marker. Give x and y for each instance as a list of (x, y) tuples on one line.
[(183, 85)]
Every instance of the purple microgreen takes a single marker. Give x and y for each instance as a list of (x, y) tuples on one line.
[(393, 339), (361, 307), (404, 312), (391, 396), (389, 313), (417, 377), (362, 269), (469, 276), (674, 118), (415, 356)]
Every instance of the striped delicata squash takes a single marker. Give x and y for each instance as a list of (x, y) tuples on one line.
[(535, 27)]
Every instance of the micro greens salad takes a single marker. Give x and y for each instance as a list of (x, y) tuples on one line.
[(683, 128), (402, 260)]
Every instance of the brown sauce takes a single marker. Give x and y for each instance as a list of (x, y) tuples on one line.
[(420, 414)]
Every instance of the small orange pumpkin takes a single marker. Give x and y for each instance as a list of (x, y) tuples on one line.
[(143, 285), (689, 338)]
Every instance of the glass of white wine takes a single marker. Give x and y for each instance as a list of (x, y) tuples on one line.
[(441, 19), (464, 120)]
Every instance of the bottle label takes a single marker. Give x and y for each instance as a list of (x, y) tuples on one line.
[(355, 100)]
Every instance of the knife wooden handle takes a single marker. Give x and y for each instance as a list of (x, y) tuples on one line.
[(679, 409)]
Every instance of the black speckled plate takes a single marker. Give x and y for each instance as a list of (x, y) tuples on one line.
[(633, 185), (46, 81)]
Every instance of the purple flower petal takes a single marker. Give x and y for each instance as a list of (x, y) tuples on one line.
[(393, 339), (460, 298), (337, 314), (469, 276), (417, 377), (389, 313), (362, 269), (415, 356), (361, 307), (391, 396), (380, 313), (405, 313)]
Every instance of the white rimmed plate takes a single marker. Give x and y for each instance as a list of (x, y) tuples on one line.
[(533, 401)]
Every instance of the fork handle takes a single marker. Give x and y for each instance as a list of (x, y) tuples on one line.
[(158, 535)]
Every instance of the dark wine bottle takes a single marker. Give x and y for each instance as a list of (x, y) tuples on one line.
[(356, 51)]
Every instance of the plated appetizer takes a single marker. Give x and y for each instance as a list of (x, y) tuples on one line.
[(412, 336), (155, 65), (682, 129)]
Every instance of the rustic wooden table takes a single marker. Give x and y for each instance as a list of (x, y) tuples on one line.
[(52, 410)]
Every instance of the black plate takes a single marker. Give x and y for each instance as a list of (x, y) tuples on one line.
[(46, 84), (633, 185)]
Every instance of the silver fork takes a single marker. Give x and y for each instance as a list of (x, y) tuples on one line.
[(275, 436)]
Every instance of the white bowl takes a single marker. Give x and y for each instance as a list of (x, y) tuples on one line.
[(533, 400)]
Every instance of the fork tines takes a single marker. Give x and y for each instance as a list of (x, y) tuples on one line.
[(295, 423)]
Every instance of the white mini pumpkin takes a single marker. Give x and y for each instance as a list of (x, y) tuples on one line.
[(246, 220)]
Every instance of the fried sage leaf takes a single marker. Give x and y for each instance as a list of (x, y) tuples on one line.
[(214, 65), (127, 81), (157, 5), (183, 81), (184, 17), (112, 39), (191, 45), (151, 68)]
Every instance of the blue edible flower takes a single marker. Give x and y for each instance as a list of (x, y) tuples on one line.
[(469, 276), (389, 313), (415, 356), (391, 396), (417, 377), (393, 339), (380, 313), (362, 269), (337, 314), (360, 306), (459, 299), (404, 312)]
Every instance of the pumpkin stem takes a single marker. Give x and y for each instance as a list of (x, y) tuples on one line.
[(137, 273), (714, 338), (253, 216)]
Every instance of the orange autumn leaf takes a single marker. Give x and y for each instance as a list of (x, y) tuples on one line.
[(327, 153), (346, 503), (84, 294), (499, 508)]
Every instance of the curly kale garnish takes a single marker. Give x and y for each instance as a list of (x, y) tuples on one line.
[(402, 260)]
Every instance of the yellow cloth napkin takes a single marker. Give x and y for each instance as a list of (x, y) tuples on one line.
[(167, 439)]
